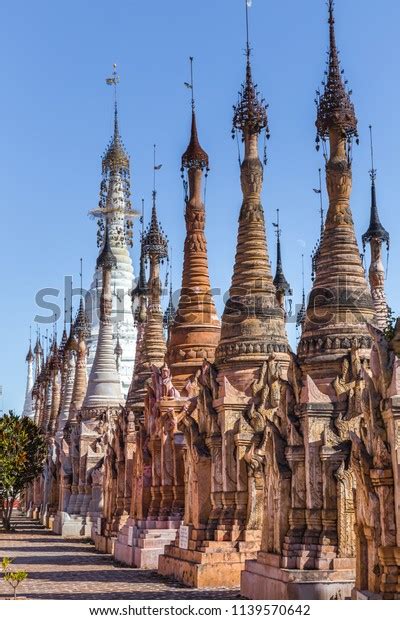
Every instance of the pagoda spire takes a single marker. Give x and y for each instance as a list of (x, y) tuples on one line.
[(281, 284), (104, 387), (170, 312), (55, 388), (155, 249), (28, 403), (116, 158), (194, 328), (340, 304), (141, 371), (253, 321), (38, 351), (140, 292), (81, 333), (68, 369), (376, 235), (301, 315), (115, 211)]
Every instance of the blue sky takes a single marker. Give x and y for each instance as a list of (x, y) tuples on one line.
[(56, 116)]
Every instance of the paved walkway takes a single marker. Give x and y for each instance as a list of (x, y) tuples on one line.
[(72, 569)]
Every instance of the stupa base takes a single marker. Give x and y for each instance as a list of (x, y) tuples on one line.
[(263, 579)]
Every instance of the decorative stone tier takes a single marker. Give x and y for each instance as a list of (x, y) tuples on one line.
[(141, 542), (231, 351), (212, 564), (103, 544), (263, 579), (72, 526)]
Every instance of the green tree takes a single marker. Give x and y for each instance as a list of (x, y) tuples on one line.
[(22, 453), (11, 577)]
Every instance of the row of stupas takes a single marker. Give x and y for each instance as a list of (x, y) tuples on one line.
[(234, 460)]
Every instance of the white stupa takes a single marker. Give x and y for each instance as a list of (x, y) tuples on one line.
[(116, 214)]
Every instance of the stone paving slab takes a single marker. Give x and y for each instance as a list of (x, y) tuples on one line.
[(73, 569)]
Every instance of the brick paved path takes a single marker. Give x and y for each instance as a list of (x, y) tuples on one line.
[(72, 569)]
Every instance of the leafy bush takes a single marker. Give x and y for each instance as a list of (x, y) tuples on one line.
[(22, 453), (12, 578)]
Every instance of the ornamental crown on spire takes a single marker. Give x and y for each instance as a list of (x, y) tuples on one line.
[(195, 156), (155, 241), (116, 158), (334, 106), (82, 323), (250, 113)]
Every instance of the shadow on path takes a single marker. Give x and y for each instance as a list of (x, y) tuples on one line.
[(73, 569)]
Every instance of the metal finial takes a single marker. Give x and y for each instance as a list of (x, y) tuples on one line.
[(114, 81), (142, 217), (248, 4), (156, 168), (373, 169), (81, 273), (190, 85), (301, 315), (170, 269), (321, 207), (278, 230), (191, 81), (331, 6), (70, 313)]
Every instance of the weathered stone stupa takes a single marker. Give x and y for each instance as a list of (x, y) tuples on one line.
[(223, 426), (311, 553)]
